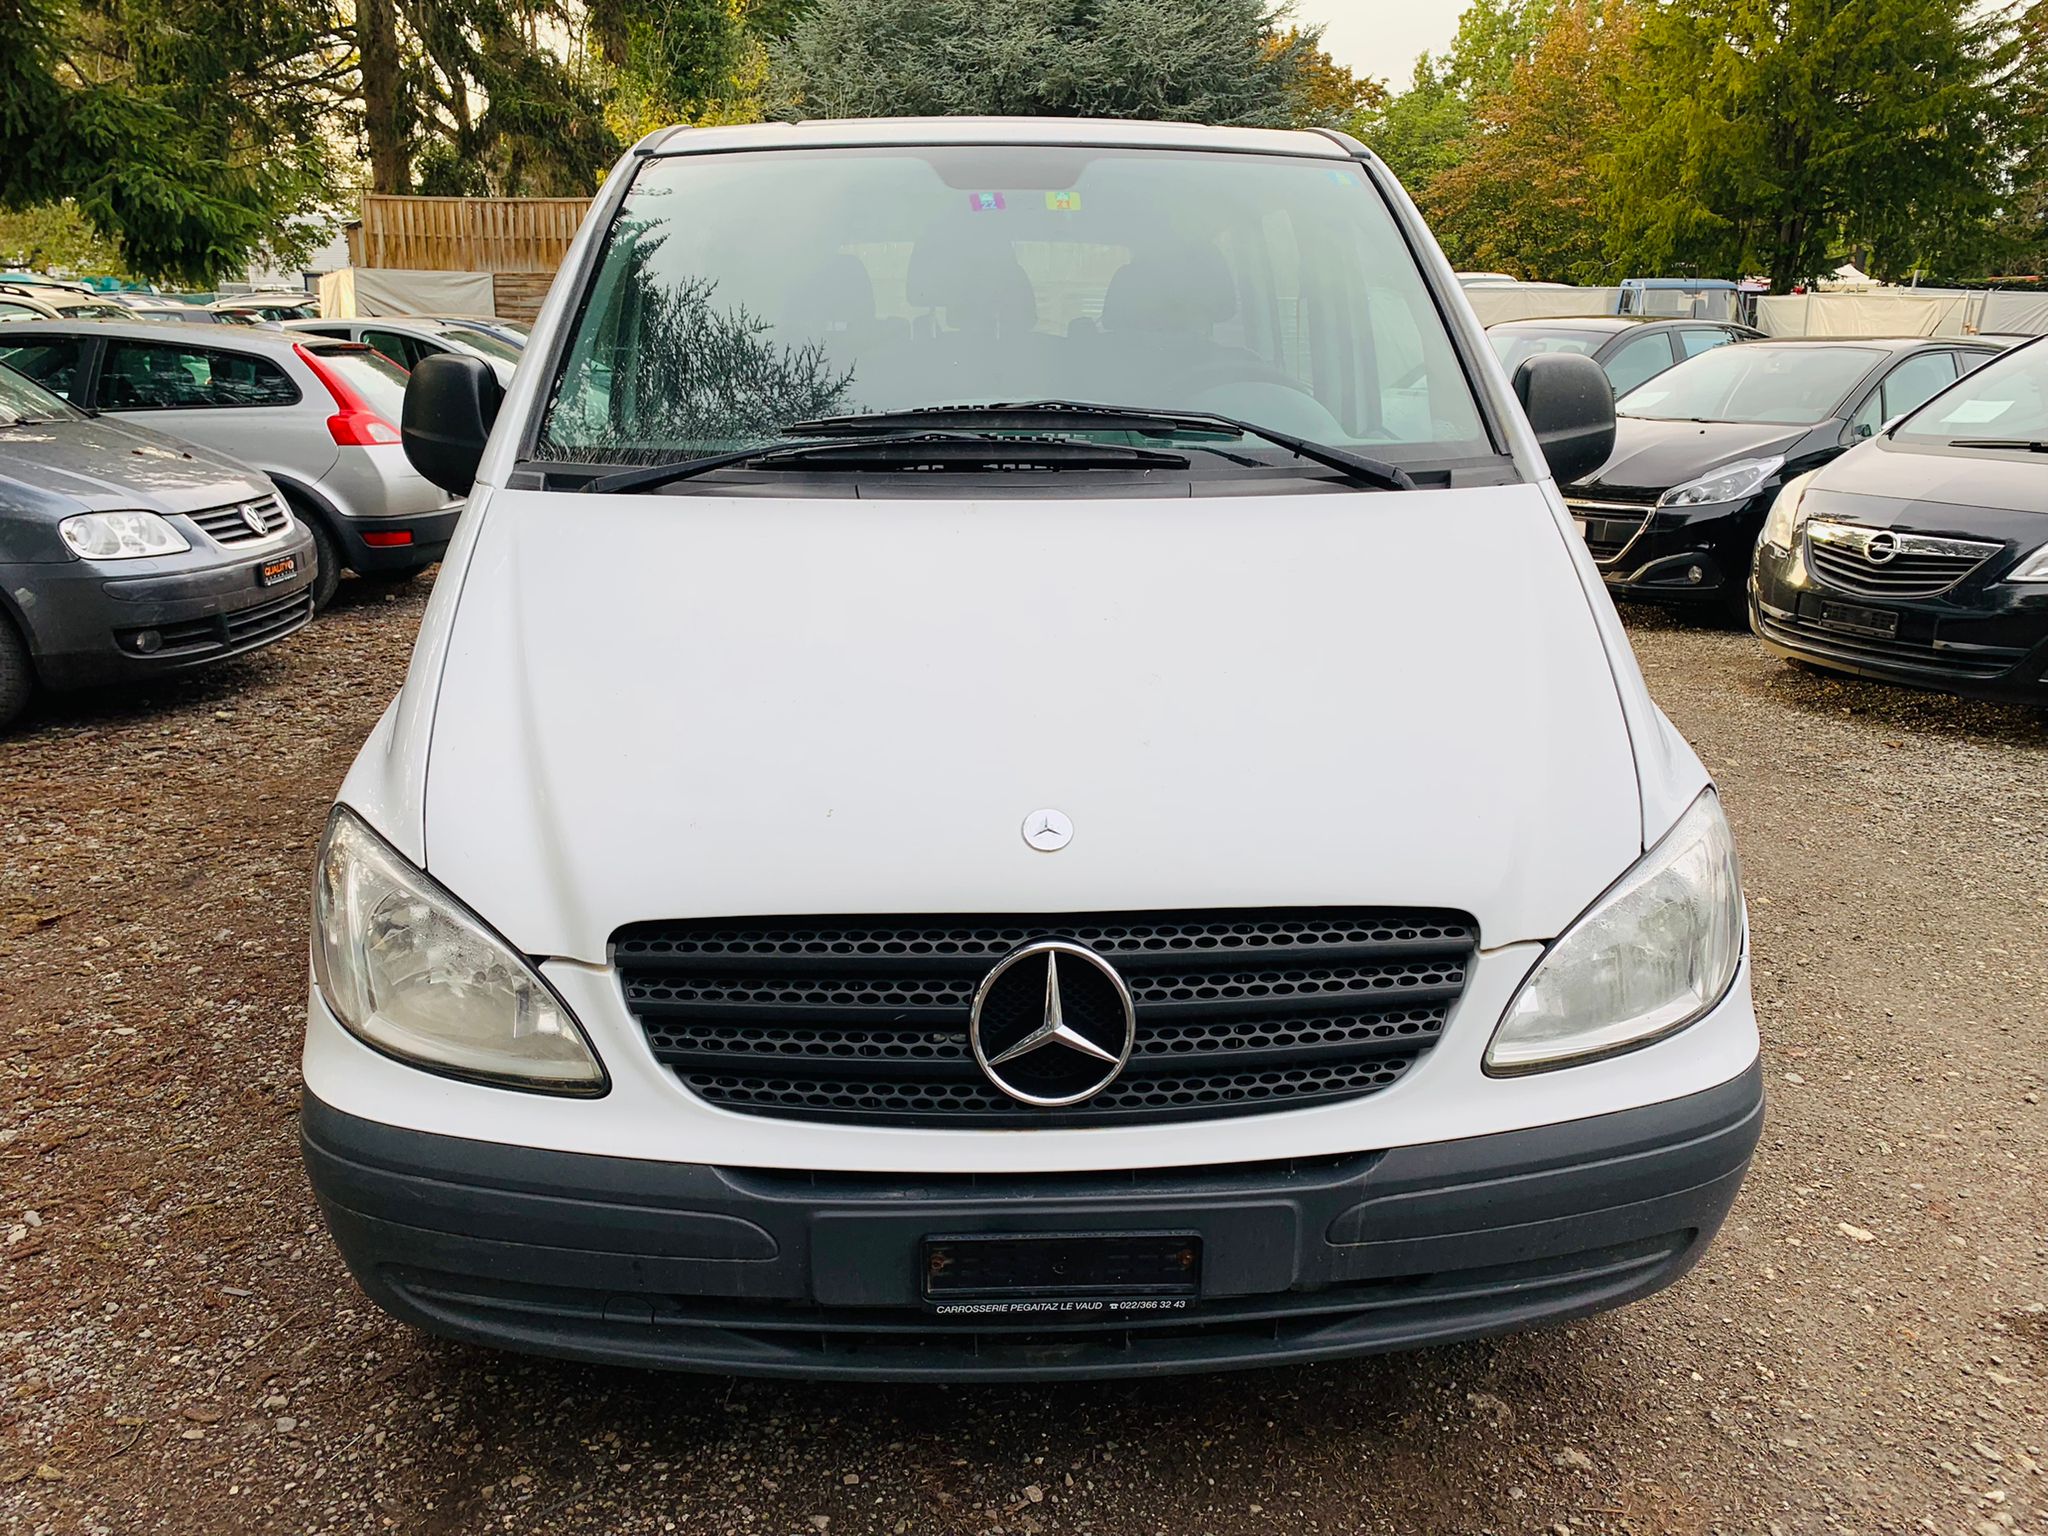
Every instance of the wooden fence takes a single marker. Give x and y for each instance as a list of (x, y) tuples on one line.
[(465, 234)]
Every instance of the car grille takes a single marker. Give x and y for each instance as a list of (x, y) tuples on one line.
[(231, 525), (865, 1018), (1804, 634), (1610, 525), (225, 633), (1908, 564)]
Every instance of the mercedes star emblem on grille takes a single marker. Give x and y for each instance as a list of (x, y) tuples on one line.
[(1048, 830), (1048, 1035)]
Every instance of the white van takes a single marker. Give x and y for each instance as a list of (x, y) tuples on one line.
[(1016, 771)]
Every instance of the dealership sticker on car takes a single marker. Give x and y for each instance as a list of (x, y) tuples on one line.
[(1062, 1273), (271, 572)]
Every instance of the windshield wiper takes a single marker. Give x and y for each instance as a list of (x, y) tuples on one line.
[(2021, 444), (900, 450), (1084, 416)]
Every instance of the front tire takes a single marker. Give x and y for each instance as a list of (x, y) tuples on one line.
[(17, 673), (326, 562)]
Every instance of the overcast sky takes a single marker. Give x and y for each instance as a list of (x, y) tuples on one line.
[(1381, 37)]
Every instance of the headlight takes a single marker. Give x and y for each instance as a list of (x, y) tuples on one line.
[(1649, 957), (2033, 568), (120, 536), (1731, 482), (1786, 518), (410, 971)]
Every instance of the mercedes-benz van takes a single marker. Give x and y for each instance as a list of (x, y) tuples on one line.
[(946, 822)]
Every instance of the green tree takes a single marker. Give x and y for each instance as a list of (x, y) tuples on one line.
[(190, 133), (1767, 136), (1525, 197), (1428, 128), (58, 239), (1220, 61)]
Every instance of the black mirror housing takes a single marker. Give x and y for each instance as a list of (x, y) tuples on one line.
[(1569, 403), (450, 402)]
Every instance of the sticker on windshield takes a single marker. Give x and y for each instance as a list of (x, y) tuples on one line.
[(986, 202), (1063, 202), (1974, 413)]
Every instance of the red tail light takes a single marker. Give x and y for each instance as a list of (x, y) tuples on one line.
[(354, 424), (388, 538)]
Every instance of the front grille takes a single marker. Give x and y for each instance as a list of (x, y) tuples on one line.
[(865, 1018), (225, 633), (1610, 525), (1909, 564), (233, 525), (1967, 662)]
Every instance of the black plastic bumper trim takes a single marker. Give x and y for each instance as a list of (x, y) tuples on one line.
[(696, 1267)]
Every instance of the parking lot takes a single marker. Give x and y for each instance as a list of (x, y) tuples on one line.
[(1865, 1349)]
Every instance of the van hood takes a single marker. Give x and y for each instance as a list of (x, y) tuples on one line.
[(672, 706), (1905, 473), (1650, 457), (98, 464)]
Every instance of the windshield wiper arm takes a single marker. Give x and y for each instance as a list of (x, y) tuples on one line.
[(1084, 416), (900, 450), (2023, 444)]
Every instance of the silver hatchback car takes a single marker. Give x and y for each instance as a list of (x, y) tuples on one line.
[(320, 417)]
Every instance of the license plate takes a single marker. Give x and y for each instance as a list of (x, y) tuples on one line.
[(1852, 620), (1063, 1273), (271, 572)]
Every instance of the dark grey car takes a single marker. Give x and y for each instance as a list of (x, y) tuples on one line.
[(125, 554)]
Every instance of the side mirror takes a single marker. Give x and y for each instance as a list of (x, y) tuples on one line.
[(1569, 403), (450, 402)]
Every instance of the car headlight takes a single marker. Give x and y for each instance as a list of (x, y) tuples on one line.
[(1649, 957), (120, 536), (1731, 482), (2033, 568), (1787, 518), (411, 971)]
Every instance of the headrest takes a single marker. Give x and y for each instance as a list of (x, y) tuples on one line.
[(975, 277), (1186, 293)]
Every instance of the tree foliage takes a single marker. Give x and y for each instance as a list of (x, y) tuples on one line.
[(1218, 61), (188, 132), (1589, 138)]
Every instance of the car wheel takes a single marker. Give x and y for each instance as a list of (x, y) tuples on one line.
[(17, 673), (326, 562)]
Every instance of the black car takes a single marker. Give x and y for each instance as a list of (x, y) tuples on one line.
[(1630, 349), (1700, 451), (1922, 556), (125, 554)]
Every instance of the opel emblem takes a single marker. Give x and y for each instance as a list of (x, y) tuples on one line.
[(252, 515), (1881, 548), (1052, 1024), (1048, 830)]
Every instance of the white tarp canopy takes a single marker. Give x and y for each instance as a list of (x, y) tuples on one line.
[(1495, 302), (1895, 312), (2023, 314), (356, 292)]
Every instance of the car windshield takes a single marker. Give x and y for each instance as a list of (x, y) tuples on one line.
[(1753, 381), (23, 400), (484, 342), (739, 293), (1514, 346), (2006, 400)]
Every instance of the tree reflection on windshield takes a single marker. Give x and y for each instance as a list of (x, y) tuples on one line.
[(674, 374)]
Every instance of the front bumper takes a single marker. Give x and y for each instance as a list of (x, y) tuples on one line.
[(1985, 639), (1683, 554), (87, 620), (785, 1273)]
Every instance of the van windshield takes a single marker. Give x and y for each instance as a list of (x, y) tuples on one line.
[(737, 294)]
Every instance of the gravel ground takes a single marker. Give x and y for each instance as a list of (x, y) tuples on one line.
[(1865, 1349)]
